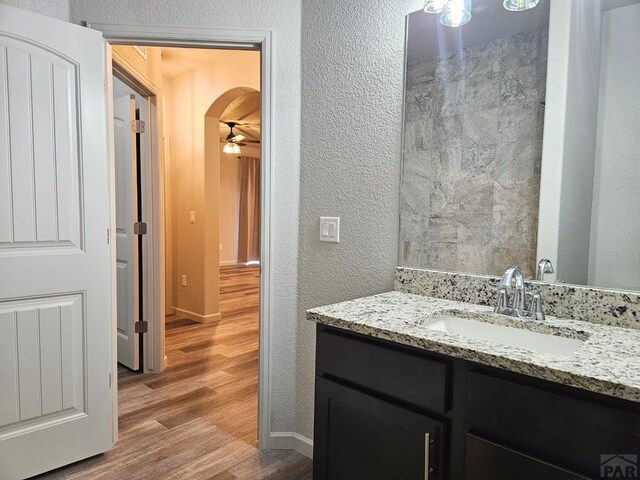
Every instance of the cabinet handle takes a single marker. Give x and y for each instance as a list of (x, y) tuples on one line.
[(427, 442)]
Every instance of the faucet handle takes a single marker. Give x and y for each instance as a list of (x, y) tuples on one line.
[(503, 299), (536, 309)]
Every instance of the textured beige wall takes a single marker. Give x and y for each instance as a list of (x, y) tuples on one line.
[(352, 92), (149, 69), (186, 196), (211, 194), (195, 176)]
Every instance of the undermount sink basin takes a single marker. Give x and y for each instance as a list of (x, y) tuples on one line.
[(482, 328)]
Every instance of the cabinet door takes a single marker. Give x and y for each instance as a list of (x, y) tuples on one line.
[(563, 430), (488, 461), (358, 436)]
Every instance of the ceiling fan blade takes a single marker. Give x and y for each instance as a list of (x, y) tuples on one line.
[(240, 123)]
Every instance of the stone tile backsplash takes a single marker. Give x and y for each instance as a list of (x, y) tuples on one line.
[(607, 307), (472, 152)]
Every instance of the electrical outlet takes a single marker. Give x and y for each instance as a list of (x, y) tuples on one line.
[(184, 280), (220, 246), (192, 217)]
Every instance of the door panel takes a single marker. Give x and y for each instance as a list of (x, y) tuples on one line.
[(39, 163), (56, 337), (42, 341), (124, 110)]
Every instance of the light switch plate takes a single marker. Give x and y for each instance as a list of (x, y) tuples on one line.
[(330, 229)]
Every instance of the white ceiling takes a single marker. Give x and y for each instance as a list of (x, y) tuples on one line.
[(244, 110), (176, 61)]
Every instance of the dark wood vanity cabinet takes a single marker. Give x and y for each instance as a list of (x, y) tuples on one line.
[(359, 427), (387, 411)]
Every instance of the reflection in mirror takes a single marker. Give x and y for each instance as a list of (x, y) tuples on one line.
[(590, 186), (474, 114)]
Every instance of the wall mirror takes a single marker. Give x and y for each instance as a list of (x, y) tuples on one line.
[(522, 140)]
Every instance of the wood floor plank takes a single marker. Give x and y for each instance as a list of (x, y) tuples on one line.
[(198, 418), (277, 464)]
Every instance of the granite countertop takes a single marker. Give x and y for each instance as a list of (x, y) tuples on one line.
[(608, 362)]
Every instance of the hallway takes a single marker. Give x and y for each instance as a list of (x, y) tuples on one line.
[(198, 418)]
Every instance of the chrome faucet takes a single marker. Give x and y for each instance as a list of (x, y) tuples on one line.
[(518, 307), (544, 266)]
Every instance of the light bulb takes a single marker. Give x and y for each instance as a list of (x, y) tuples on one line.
[(519, 5), (456, 13), (231, 147), (434, 6)]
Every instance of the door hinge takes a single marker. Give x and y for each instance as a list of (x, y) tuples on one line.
[(137, 126), (108, 236), (140, 228), (109, 381), (141, 327)]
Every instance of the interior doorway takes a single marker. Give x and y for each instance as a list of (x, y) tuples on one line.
[(204, 140), (257, 40)]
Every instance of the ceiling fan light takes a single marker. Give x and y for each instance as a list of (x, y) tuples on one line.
[(231, 148), (519, 5)]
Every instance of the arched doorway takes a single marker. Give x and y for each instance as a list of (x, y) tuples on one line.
[(239, 164)]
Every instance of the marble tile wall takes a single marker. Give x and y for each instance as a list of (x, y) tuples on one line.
[(472, 152)]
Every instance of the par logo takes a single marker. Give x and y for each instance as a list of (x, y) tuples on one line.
[(623, 466)]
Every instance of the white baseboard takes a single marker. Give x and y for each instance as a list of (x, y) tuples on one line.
[(229, 262), (196, 317), (236, 263), (291, 441)]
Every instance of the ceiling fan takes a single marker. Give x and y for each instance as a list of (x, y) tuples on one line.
[(233, 142), (237, 138)]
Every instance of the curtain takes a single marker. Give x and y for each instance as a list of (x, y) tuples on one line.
[(249, 223)]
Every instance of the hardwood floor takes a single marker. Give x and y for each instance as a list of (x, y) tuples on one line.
[(198, 418)]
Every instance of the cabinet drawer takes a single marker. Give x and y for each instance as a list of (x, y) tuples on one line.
[(545, 424), (360, 437), (394, 371), (488, 461)]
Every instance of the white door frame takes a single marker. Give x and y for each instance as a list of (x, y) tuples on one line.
[(152, 198), (216, 38)]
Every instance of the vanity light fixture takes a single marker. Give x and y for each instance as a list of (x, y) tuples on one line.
[(231, 147), (456, 13), (519, 5), (434, 6)]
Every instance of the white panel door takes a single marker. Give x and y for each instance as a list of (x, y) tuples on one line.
[(55, 288), (124, 113)]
